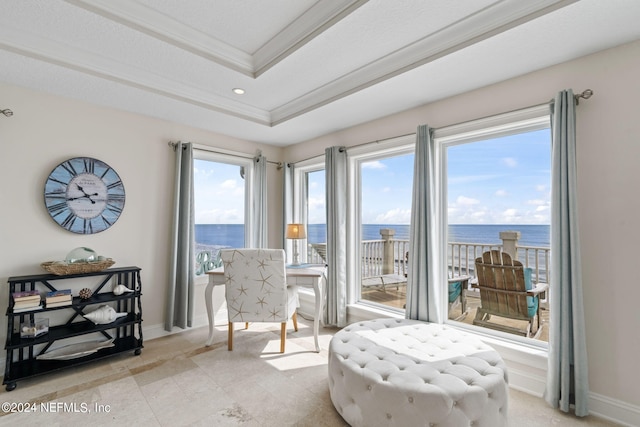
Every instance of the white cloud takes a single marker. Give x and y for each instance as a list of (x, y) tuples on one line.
[(501, 193), (219, 216), (510, 162), (202, 172), (536, 202), (376, 164), (314, 203), (466, 201), (512, 216), (229, 184), (394, 216)]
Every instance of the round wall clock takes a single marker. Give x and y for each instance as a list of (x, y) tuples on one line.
[(84, 195)]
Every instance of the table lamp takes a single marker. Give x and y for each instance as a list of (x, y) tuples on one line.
[(296, 232)]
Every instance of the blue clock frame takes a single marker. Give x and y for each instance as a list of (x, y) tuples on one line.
[(84, 195)]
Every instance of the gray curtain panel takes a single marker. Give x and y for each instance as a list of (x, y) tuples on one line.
[(567, 375), (423, 288), (336, 193), (180, 298), (288, 171), (259, 200)]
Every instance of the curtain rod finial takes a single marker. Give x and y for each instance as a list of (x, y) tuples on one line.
[(586, 94)]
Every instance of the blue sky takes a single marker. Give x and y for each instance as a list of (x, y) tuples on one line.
[(499, 181), (219, 193)]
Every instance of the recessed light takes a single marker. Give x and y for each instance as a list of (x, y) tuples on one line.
[(238, 91)]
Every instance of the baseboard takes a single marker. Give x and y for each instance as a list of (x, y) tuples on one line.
[(157, 331), (617, 411)]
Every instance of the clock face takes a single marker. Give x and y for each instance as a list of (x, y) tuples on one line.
[(84, 195)]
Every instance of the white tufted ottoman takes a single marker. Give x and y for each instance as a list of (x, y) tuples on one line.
[(391, 372)]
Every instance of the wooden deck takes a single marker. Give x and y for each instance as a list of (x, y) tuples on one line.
[(396, 297)]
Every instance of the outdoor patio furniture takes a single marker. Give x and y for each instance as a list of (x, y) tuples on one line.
[(384, 280), (456, 288), (506, 290)]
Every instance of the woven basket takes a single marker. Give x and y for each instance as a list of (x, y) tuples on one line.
[(62, 268)]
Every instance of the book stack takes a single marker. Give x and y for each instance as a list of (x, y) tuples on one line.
[(58, 298), (26, 301)]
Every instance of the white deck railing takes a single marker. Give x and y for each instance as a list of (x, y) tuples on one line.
[(460, 258)]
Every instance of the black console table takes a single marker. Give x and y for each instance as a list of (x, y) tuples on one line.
[(126, 332)]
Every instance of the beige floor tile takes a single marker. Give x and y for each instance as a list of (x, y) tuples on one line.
[(178, 381)]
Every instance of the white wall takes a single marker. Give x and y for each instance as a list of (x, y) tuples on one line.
[(608, 153), (46, 130)]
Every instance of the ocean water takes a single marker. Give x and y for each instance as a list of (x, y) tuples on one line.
[(232, 235)]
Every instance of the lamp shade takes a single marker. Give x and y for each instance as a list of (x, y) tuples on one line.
[(296, 231)]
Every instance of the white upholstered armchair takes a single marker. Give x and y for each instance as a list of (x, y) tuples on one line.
[(256, 289)]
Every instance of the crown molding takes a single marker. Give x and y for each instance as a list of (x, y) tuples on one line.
[(492, 20), (486, 23), (155, 24), (97, 65), (320, 17)]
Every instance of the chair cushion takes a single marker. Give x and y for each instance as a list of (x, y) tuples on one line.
[(532, 302), (454, 290)]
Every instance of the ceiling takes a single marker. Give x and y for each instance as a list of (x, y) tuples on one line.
[(307, 67)]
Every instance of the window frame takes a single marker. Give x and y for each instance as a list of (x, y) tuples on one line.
[(356, 156), (301, 195), (512, 123), (241, 161)]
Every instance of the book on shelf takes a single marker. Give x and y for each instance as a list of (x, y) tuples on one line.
[(23, 309), (59, 299), (58, 293), (22, 304), (26, 296), (58, 296), (58, 304)]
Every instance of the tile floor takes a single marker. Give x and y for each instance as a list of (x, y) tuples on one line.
[(177, 381)]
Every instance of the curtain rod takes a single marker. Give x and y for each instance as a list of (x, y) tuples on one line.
[(173, 145), (585, 94), (343, 148)]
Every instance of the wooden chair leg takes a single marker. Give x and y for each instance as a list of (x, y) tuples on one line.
[(283, 335), (230, 337), (294, 317)]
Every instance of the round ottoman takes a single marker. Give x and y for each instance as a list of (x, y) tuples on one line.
[(399, 372)]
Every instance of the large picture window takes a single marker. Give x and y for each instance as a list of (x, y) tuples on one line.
[(382, 177), (220, 205), (496, 188)]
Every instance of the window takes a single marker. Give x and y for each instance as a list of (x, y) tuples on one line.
[(220, 203), (310, 202), (496, 179), (381, 205)]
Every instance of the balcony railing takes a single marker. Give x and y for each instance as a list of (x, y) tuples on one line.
[(389, 256)]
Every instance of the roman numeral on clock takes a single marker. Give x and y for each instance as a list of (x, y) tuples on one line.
[(55, 210), (89, 165), (68, 166), (69, 221)]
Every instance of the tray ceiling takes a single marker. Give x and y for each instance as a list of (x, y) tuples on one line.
[(307, 67)]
